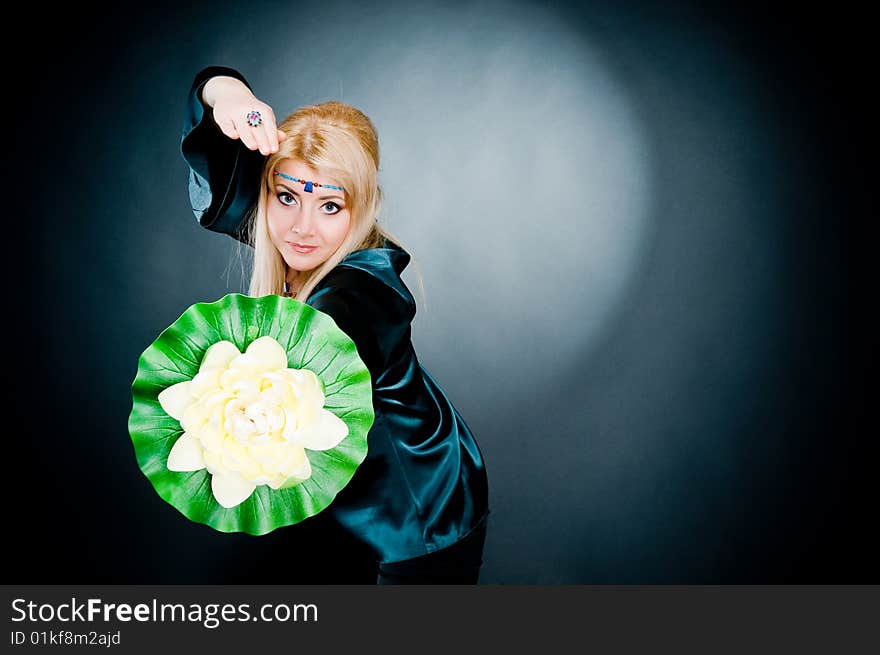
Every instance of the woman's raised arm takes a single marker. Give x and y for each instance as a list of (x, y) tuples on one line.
[(223, 150)]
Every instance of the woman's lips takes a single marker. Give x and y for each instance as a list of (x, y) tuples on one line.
[(298, 247)]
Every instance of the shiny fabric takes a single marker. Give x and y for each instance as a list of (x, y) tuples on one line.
[(456, 564), (423, 486)]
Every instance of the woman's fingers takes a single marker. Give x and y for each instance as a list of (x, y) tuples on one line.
[(271, 129), (240, 115), (271, 132), (246, 133), (269, 137), (227, 126), (265, 135), (262, 138)]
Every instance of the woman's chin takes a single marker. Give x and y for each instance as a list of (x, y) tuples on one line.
[(302, 263)]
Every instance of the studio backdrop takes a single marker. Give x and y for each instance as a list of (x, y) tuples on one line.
[(633, 228)]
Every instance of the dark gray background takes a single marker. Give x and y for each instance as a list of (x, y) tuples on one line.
[(643, 234)]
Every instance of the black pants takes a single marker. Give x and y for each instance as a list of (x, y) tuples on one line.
[(456, 564)]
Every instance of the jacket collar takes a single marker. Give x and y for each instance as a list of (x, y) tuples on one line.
[(374, 260)]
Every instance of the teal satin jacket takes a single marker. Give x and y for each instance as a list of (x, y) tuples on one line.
[(423, 485)]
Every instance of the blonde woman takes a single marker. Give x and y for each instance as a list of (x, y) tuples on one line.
[(304, 193)]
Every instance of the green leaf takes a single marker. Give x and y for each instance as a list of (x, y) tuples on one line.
[(313, 341)]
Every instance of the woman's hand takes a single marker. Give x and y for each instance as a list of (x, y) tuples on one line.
[(232, 101)]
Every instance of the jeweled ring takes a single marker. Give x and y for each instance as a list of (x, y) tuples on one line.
[(254, 119)]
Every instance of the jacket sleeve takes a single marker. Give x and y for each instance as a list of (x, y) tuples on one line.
[(224, 174), (374, 316)]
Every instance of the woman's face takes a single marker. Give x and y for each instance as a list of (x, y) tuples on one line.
[(318, 219)]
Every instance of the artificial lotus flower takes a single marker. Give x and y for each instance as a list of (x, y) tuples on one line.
[(249, 419), (251, 414)]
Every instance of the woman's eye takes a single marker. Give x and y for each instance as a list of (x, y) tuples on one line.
[(285, 198), (333, 208)]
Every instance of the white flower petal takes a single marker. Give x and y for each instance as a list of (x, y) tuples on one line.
[(219, 355), (267, 454), (288, 483), (175, 399), (205, 382), (216, 399), (276, 482), (211, 438), (230, 489), (291, 425), (212, 462), (194, 418), (246, 391), (326, 432), (305, 469), (310, 388), (235, 455), (232, 376), (267, 354), (309, 378), (186, 455), (295, 459), (302, 474)]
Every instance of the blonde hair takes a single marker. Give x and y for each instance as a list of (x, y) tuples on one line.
[(341, 143)]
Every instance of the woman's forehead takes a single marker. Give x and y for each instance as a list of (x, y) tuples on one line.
[(301, 170)]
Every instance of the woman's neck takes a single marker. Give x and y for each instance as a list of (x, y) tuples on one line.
[(294, 281)]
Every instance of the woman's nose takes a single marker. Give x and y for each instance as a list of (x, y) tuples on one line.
[(303, 223)]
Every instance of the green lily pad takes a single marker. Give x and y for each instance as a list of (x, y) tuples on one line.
[(313, 341)]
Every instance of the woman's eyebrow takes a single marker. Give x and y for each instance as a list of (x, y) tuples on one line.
[(284, 186)]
